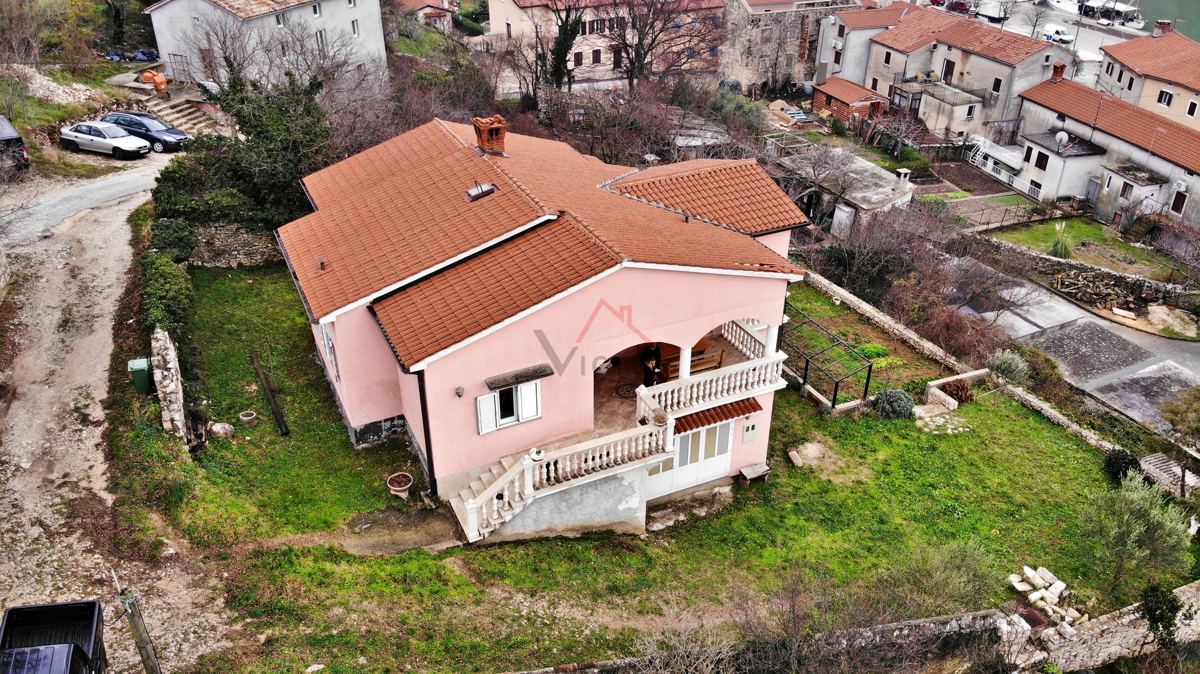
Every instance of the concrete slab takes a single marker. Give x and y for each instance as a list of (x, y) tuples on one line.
[(1089, 350), (1140, 394)]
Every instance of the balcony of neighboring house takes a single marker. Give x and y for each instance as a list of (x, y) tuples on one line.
[(677, 427)]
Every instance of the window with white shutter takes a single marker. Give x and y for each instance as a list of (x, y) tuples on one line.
[(330, 352), (508, 406), (488, 408)]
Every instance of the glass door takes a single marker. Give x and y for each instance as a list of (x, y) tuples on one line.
[(699, 456)]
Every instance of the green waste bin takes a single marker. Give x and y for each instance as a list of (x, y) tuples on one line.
[(139, 369)]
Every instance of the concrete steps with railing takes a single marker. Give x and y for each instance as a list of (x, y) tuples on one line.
[(183, 114)]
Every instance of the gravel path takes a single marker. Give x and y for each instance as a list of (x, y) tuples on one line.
[(52, 451)]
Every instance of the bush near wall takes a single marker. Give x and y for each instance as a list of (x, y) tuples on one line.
[(167, 294)]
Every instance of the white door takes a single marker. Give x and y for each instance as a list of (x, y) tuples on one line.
[(699, 456)]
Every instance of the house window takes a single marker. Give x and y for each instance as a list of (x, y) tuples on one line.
[(828, 100), (597, 25), (1126, 191), (196, 20), (596, 58), (837, 58), (1129, 84), (279, 19), (330, 353), (1120, 76), (1108, 183), (712, 51), (354, 27), (764, 63), (537, 28), (887, 58), (352, 3), (1028, 153), (508, 29), (1178, 203), (1042, 161), (874, 84), (321, 40), (1108, 69), (997, 83), (1191, 111), (1046, 60), (790, 61), (283, 49), (970, 112), (578, 59), (842, 30), (317, 9), (1165, 97), (617, 58), (509, 406)]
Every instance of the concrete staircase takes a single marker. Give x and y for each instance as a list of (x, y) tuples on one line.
[(1166, 472), (183, 114), (502, 509)]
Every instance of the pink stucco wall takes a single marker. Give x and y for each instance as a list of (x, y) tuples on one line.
[(777, 242), (755, 451), (367, 385), (673, 307)]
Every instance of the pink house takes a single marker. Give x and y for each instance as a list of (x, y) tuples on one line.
[(493, 296)]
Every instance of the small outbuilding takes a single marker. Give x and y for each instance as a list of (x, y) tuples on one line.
[(843, 98)]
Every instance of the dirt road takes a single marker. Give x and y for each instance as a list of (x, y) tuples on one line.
[(51, 427)]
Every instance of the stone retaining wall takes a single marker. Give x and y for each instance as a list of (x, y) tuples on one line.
[(227, 245), (935, 394), (165, 361)]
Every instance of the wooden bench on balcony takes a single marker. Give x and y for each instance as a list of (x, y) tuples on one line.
[(705, 357)]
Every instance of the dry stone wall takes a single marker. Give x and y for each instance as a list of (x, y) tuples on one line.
[(164, 359), (228, 245)]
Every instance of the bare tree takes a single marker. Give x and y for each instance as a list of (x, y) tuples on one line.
[(663, 37), (1036, 14), (23, 24), (685, 642), (781, 58), (823, 168)]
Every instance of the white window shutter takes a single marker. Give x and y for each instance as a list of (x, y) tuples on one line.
[(529, 400), (489, 412)]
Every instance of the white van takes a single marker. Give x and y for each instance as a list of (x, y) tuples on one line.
[(1055, 33)]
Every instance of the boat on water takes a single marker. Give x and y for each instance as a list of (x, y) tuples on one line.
[(1111, 12)]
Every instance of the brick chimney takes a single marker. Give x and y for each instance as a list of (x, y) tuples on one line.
[(1059, 69), (971, 15), (1161, 27), (489, 133)]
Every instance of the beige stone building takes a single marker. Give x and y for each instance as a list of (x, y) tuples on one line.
[(1158, 72)]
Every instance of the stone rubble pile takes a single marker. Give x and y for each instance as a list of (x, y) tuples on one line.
[(165, 361), (1049, 595), (40, 86), (1100, 291)]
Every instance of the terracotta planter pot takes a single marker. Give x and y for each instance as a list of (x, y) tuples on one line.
[(399, 483), (248, 418)]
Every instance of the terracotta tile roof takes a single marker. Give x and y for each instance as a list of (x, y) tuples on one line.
[(468, 298), (410, 5), (735, 193), (244, 9), (847, 91), (1175, 142), (716, 415), (875, 18), (918, 29), (394, 210), (400, 209), (1171, 57)]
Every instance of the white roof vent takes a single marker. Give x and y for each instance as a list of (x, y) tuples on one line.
[(480, 191)]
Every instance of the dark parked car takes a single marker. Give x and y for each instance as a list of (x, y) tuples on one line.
[(13, 154), (53, 639), (157, 131)]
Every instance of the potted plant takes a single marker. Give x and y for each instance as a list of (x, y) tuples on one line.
[(660, 418), (399, 484)]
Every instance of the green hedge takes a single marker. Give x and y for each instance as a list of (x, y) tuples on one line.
[(167, 294)]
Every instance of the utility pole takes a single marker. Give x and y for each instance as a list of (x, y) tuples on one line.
[(141, 636)]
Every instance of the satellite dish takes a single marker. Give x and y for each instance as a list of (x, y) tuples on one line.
[(1062, 137)]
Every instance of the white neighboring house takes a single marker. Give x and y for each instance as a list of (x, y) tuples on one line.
[(179, 27)]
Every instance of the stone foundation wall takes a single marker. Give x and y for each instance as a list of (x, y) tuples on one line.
[(165, 361), (227, 245)]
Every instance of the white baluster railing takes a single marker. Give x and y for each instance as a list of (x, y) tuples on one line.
[(578, 461), (718, 386), (745, 338)]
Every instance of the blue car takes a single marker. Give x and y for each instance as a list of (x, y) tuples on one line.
[(157, 131)]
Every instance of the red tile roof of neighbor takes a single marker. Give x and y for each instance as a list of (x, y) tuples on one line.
[(1171, 57), (847, 91), (875, 18), (1175, 142), (917, 29), (245, 9), (400, 208)]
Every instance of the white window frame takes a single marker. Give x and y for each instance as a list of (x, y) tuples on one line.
[(527, 400), (320, 35), (1169, 95), (317, 10), (330, 350), (1191, 108), (354, 28), (352, 3), (970, 112), (279, 20)]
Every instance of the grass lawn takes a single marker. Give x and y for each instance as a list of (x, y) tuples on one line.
[(261, 484), (1016, 485), (1104, 248), (1010, 200)]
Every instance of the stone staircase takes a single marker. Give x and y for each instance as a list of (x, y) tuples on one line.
[(183, 114), (1166, 472), (501, 509)]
